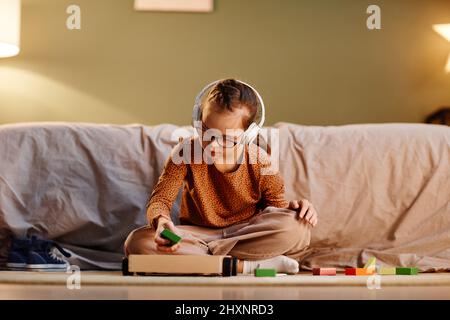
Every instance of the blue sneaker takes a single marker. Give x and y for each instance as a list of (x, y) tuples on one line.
[(46, 255), (18, 253)]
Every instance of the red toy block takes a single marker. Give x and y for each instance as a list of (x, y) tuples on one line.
[(324, 271), (350, 271)]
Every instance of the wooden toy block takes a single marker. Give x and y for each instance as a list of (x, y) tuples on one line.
[(364, 272), (324, 271), (407, 271), (350, 271), (169, 264), (387, 270), (358, 272), (371, 264), (169, 235), (265, 272)]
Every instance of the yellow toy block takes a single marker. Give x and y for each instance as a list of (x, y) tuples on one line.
[(371, 264), (387, 270)]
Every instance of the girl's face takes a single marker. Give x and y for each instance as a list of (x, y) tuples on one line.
[(222, 127)]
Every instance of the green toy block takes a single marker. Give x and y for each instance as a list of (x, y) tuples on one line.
[(265, 272), (407, 271), (169, 235)]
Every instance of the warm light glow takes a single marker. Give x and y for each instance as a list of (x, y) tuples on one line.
[(444, 31), (447, 67), (9, 28), (65, 102)]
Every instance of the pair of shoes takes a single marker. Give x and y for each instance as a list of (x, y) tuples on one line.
[(33, 254)]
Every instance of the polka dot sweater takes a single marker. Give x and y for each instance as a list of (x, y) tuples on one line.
[(214, 199)]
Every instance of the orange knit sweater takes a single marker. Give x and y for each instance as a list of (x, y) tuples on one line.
[(212, 198)]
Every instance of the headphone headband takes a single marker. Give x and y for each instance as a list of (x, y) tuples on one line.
[(252, 131)]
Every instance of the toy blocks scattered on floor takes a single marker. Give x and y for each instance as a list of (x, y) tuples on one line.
[(382, 271), (169, 235), (324, 271), (370, 268), (359, 272), (265, 272)]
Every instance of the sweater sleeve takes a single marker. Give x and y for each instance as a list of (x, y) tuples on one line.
[(272, 191), (271, 183), (166, 190)]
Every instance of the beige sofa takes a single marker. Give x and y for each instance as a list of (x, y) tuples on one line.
[(380, 190)]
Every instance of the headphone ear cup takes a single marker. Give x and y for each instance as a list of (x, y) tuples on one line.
[(196, 114)]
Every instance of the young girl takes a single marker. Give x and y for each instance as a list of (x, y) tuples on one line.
[(228, 207)]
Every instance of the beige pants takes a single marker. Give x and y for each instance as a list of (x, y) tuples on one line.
[(269, 233)]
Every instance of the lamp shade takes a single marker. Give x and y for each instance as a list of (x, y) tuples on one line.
[(9, 28), (443, 30)]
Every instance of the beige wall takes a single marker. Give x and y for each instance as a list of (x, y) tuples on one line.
[(314, 61)]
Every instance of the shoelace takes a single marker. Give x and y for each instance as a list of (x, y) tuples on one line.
[(51, 245), (55, 255)]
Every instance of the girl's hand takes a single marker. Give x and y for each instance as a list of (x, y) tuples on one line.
[(161, 243), (305, 211)]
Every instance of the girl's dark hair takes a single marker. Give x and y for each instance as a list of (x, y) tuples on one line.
[(229, 94)]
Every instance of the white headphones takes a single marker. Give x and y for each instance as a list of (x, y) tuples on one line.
[(253, 129)]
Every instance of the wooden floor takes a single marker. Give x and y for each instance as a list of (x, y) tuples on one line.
[(112, 285)]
